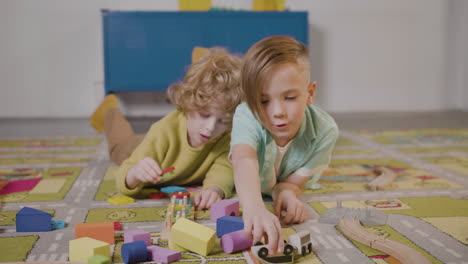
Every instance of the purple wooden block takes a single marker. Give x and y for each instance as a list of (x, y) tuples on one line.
[(137, 235), (164, 255), (235, 241), (223, 208)]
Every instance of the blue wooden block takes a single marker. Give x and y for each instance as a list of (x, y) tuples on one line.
[(33, 220), (173, 189), (134, 252), (228, 224)]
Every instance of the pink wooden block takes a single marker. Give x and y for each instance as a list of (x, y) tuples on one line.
[(164, 255), (224, 208), (235, 241), (137, 235)]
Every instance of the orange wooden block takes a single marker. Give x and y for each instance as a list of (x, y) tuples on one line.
[(100, 231)]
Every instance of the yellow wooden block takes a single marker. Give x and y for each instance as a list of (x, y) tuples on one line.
[(82, 248), (268, 5), (121, 200), (176, 247), (194, 5), (193, 236)]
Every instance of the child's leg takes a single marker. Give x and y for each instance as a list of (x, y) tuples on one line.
[(121, 139), (97, 119)]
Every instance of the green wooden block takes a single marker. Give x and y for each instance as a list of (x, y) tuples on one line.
[(98, 260)]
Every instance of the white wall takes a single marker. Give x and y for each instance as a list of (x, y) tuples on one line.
[(457, 55), (368, 55)]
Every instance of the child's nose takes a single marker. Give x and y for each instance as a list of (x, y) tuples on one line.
[(210, 125), (278, 109)]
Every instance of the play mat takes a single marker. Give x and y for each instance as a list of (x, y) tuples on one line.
[(426, 206)]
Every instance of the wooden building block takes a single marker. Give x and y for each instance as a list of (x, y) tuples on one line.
[(33, 220), (223, 208), (82, 248), (100, 231), (137, 235), (228, 224), (193, 236), (98, 260), (134, 252), (164, 255)]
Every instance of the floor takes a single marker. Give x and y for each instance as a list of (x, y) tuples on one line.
[(46, 127)]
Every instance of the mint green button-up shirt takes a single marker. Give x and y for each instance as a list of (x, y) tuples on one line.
[(308, 155)]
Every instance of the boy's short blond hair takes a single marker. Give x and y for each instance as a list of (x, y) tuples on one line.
[(213, 80), (262, 59)]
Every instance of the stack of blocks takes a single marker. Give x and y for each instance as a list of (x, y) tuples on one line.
[(92, 242)]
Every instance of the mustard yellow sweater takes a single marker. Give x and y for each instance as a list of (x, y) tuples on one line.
[(166, 142)]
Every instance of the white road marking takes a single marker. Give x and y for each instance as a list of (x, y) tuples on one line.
[(334, 242), (53, 257), (345, 242), (63, 257), (144, 227), (406, 223), (71, 211), (59, 236), (32, 258), (453, 252), (437, 242), (68, 219), (57, 205), (342, 257), (42, 257), (323, 242), (421, 233), (315, 229), (53, 247)]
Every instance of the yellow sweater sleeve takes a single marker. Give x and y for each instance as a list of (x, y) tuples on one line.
[(166, 142)]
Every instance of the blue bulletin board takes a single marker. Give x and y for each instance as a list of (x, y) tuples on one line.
[(147, 51)]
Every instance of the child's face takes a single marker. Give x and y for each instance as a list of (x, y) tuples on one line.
[(284, 99), (204, 125)]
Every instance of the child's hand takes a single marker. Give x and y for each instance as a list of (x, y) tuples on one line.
[(147, 171), (206, 198), (260, 223), (290, 209)]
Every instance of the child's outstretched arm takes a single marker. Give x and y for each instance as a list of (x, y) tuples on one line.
[(258, 221)]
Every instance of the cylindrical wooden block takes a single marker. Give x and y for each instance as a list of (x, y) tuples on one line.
[(134, 252), (235, 241)]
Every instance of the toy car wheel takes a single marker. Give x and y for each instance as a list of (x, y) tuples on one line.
[(310, 247), (288, 250), (304, 251), (258, 244), (263, 252)]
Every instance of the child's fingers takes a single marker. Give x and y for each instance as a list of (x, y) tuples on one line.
[(203, 199), (153, 165), (290, 212), (213, 198), (197, 199), (248, 229), (278, 205), (273, 234), (257, 232)]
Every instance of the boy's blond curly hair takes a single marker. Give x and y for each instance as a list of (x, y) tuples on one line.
[(211, 81)]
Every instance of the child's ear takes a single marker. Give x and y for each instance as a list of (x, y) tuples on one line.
[(311, 92)]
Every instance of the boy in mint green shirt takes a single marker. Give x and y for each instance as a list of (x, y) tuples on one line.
[(280, 143)]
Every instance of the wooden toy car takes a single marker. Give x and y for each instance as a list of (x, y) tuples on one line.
[(301, 241), (261, 252)]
